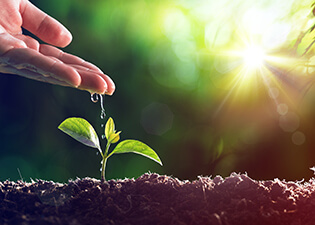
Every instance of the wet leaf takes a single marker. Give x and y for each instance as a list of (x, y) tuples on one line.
[(109, 128), (137, 147), (114, 137), (81, 130)]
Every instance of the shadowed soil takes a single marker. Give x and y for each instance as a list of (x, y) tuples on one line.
[(155, 199)]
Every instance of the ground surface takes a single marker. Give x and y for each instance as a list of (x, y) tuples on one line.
[(155, 199)]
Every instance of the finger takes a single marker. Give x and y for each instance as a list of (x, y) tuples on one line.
[(30, 42), (43, 26), (78, 64), (110, 84), (8, 42), (91, 66), (67, 58), (31, 59), (92, 82)]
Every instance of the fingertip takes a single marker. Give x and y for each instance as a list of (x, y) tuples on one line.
[(110, 89), (65, 38), (92, 82), (110, 85), (59, 36)]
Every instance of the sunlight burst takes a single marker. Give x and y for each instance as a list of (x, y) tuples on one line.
[(254, 57)]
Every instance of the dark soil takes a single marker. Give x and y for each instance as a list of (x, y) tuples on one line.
[(155, 199)]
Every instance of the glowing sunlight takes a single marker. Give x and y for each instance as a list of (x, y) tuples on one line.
[(254, 57)]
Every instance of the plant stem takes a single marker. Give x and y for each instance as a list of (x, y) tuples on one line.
[(106, 149), (103, 169), (105, 156)]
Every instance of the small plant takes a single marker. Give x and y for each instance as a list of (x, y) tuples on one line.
[(83, 131)]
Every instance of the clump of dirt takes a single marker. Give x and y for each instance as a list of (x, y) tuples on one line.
[(155, 199)]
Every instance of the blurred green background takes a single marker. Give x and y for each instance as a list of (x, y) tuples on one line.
[(178, 89)]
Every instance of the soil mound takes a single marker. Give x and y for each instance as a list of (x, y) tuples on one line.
[(155, 199)]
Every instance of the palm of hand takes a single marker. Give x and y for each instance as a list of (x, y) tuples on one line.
[(24, 56)]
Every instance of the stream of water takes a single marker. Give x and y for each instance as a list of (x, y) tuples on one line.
[(95, 98)]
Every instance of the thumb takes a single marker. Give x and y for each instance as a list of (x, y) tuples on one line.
[(43, 26)]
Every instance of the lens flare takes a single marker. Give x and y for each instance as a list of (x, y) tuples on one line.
[(254, 57)]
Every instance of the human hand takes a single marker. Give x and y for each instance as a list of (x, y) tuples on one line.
[(24, 56)]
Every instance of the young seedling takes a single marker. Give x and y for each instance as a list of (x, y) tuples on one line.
[(83, 131)]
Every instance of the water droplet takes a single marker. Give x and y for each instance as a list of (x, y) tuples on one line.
[(102, 125), (103, 136), (94, 97), (97, 153), (103, 114), (101, 169)]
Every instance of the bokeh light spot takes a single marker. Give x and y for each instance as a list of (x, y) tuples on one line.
[(176, 25), (298, 138), (282, 109), (274, 93), (157, 118), (217, 35), (289, 122)]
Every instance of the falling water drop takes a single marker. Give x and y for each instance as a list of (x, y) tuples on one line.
[(103, 136), (94, 97), (102, 125), (103, 113), (97, 153)]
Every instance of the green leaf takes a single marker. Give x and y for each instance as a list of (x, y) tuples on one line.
[(109, 128), (114, 137), (81, 130), (137, 147)]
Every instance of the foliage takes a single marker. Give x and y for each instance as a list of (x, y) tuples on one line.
[(82, 131), (170, 53)]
